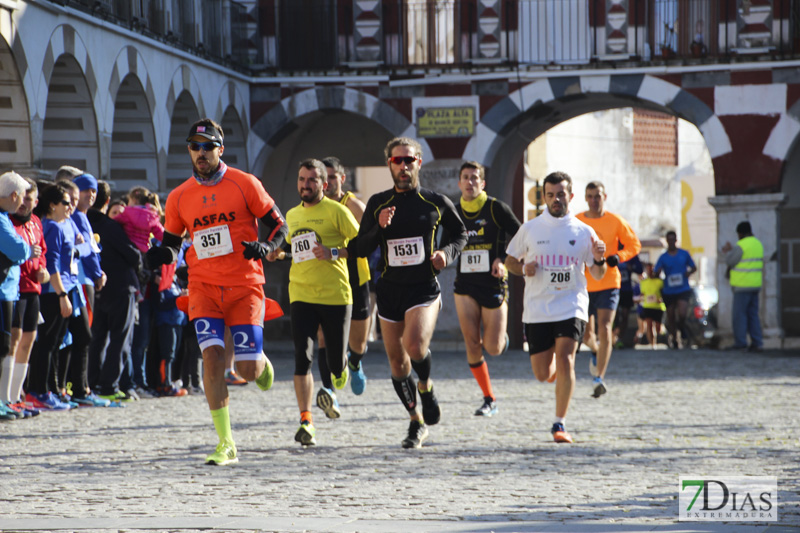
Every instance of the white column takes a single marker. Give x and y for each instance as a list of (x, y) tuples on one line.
[(763, 213)]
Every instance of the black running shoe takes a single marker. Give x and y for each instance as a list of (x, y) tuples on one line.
[(417, 432), (430, 407), (489, 407)]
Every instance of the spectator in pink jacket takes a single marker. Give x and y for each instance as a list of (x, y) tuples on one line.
[(141, 218)]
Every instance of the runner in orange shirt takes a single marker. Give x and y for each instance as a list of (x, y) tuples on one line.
[(604, 294), (220, 207)]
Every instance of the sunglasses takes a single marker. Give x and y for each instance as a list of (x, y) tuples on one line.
[(65, 202), (399, 160), (207, 147)]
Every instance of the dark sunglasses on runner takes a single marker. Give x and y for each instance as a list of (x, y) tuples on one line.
[(399, 160), (207, 147)]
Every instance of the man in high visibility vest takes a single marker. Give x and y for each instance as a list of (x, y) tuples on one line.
[(745, 260)]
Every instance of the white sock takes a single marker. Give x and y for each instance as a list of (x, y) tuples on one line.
[(17, 379), (5, 379), (560, 420)]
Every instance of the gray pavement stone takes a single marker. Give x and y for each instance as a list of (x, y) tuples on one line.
[(667, 414)]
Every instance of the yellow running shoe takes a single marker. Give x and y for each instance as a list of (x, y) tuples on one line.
[(340, 382), (225, 454), (264, 381), (305, 435)]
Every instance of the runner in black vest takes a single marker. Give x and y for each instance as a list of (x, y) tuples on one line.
[(481, 283), (404, 221)]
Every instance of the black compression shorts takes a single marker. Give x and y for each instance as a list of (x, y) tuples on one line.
[(26, 312), (395, 299), (488, 297), (360, 302)]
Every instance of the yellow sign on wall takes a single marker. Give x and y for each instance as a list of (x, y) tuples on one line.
[(446, 121)]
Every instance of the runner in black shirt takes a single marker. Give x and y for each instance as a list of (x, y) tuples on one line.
[(481, 283), (404, 221)]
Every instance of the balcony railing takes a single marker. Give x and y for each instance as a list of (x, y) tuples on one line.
[(201, 27), (339, 34), (342, 35)]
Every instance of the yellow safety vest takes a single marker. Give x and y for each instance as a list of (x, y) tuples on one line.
[(748, 271)]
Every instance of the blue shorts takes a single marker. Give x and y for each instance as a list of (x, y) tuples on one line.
[(248, 340), (607, 299)]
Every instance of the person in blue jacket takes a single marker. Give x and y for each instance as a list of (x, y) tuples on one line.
[(13, 252)]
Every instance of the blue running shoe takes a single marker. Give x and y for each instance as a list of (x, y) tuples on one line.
[(358, 379), (326, 400), (46, 400), (92, 400)]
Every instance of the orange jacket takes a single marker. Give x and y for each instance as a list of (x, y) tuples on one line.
[(612, 230)]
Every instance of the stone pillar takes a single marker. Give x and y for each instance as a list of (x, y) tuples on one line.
[(441, 175), (763, 213)]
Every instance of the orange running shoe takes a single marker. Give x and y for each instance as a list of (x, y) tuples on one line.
[(560, 434), (232, 378)]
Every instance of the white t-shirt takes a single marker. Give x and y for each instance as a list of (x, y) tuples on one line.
[(561, 247)]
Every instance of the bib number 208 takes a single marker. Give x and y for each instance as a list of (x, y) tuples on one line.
[(559, 277)]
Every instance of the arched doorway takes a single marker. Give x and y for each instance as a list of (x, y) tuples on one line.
[(235, 140), (69, 134), (133, 144), (179, 166), (15, 139)]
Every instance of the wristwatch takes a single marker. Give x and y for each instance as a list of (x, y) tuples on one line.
[(334, 253), (62, 294), (601, 262)]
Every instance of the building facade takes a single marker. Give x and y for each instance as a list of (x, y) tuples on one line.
[(111, 86)]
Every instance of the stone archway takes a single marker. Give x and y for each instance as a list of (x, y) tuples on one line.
[(133, 159)]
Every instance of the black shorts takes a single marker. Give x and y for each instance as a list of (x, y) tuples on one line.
[(307, 318), (360, 302), (395, 299), (488, 297), (26, 313), (626, 299), (672, 299), (652, 314), (542, 335)]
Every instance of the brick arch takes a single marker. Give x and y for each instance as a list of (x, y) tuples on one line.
[(65, 40), (230, 96), (8, 31), (492, 129), (278, 121), (184, 79), (128, 62), (784, 135)]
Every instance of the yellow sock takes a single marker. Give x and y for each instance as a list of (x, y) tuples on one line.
[(222, 423)]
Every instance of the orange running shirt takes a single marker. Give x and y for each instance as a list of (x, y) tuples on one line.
[(218, 219), (612, 230)]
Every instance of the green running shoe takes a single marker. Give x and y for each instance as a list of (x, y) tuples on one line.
[(340, 382), (264, 381), (225, 454), (305, 435)]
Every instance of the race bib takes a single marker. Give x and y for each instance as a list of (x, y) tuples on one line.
[(560, 278), (474, 261), (303, 247), (651, 299), (73, 268), (675, 280), (212, 242), (406, 252)]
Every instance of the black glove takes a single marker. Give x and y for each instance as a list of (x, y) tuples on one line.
[(255, 250), (157, 256), (612, 260)]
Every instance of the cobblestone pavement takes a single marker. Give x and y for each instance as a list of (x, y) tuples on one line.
[(667, 414)]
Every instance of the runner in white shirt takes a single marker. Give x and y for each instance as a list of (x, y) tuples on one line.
[(550, 252)]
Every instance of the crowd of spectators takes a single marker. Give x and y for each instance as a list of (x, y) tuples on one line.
[(85, 322)]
